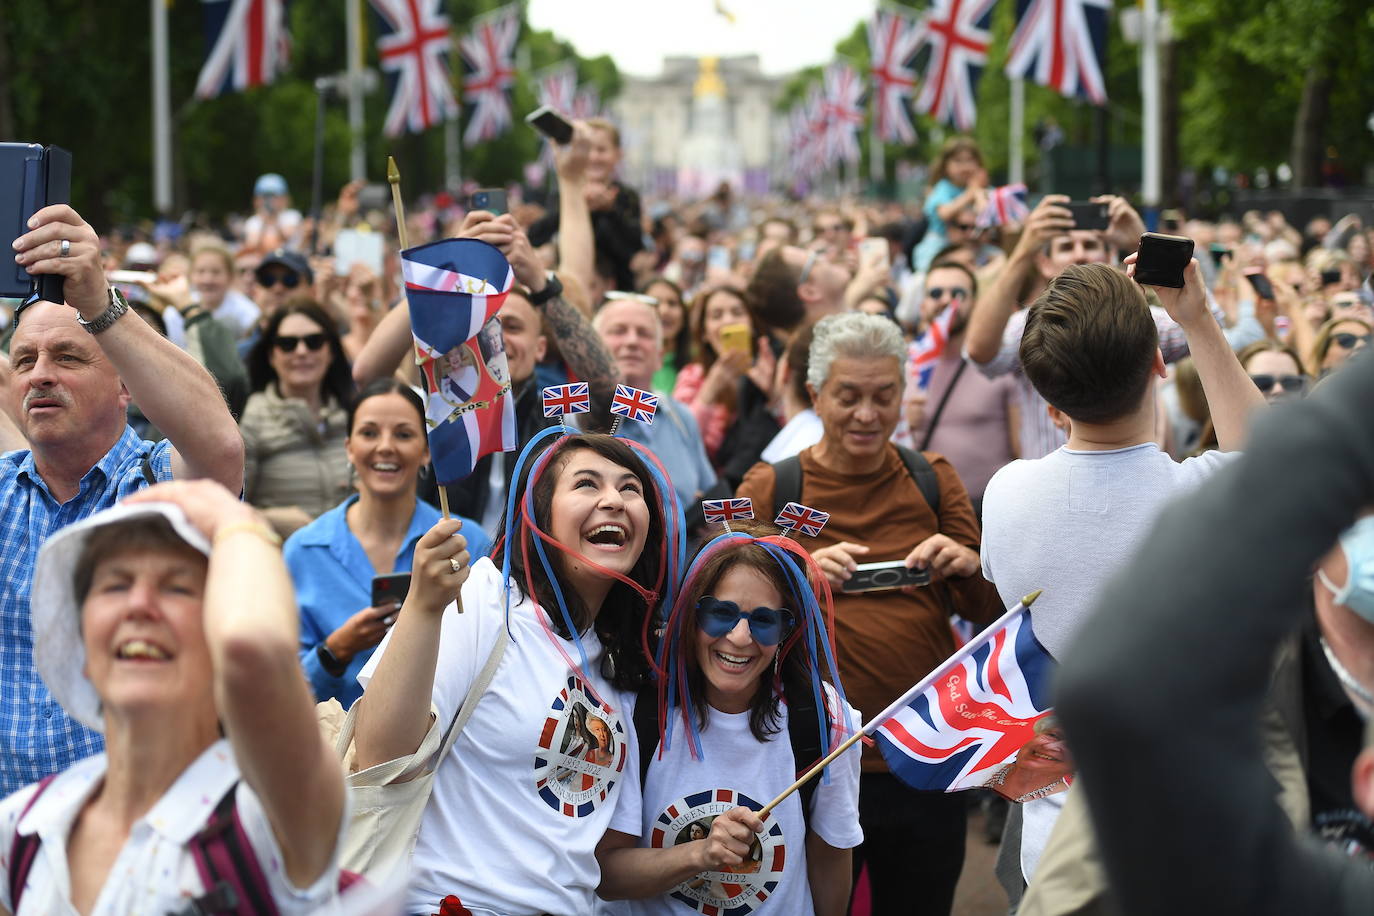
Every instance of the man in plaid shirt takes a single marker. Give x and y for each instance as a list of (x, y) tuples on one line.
[(72, 371)]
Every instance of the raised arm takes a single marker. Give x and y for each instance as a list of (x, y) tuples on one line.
[(576, 242), (264, 703), (175, 392), (1231, 396)]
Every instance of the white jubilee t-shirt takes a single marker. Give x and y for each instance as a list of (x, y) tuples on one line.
[(682, 795), (154, 872), (528, 790)]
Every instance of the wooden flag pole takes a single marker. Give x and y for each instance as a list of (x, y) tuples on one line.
[(393, 177), (871, 725)]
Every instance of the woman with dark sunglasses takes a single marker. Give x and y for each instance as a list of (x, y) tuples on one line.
[(1336, 342), (745, 644), (295, 423), (1275, 369)]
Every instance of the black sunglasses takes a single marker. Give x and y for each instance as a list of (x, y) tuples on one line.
[(289, 280), (1290, 383), (287, 343), (957, 293), (1348, 341), (967, 227)]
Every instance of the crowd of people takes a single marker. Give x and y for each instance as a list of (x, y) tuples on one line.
[(220, 511)]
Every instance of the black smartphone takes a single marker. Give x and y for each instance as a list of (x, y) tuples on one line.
[(551, 124), (374, 197), (31, 178), (869, 577), (1330, 276), (1088, 215), (1162, 260), (390, 588), (493, 200), (1220, 253), (1263, 288)]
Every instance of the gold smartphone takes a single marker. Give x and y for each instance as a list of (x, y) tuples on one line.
[(734, 338)]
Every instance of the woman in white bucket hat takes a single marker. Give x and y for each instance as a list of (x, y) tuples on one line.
[(168, 623)]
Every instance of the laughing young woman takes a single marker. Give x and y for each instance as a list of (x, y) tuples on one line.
[(528, 790)]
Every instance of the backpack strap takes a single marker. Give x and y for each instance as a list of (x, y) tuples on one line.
[(646, 728), (228, 867), (787, 483), (806, 742), (24, 849), (787, 480), (918, 466)]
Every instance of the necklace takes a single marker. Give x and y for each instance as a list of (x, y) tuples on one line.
[(1000, 780)]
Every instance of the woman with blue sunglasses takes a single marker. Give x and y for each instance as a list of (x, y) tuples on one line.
[(746, 643)]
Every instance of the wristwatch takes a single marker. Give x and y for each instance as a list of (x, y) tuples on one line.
[(330, 662), (113, 312), (552, 289)]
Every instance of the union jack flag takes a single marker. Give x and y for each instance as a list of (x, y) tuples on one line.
[(892, 40), (557, 87), (844, 114), (925, 350), (1061, 44), (957, 32), (634, 403), (1006, 204), (727, 510), (957, 728), (803, 518), (566, 399), (455, 287), (413, 43), (248, 45), (586, 103), (488, 55)]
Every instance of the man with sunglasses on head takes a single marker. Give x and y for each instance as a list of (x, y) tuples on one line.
[(792, 285), (279, 276), (72, 372)]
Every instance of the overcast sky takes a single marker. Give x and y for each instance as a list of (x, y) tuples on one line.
[(638, 34)]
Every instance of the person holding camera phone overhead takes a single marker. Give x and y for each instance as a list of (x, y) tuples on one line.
[(333, 559), (894, 505)]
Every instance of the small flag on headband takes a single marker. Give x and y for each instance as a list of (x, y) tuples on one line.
[(565, 399), (634, 404), (803, 518), (727, 510), (455, 288), (1006, 204)]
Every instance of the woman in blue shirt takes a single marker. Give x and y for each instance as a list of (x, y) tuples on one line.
[(333, 559)]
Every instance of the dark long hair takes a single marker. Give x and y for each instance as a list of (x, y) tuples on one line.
[(621, 620), (680, 347), (338, 378), (386, 385)]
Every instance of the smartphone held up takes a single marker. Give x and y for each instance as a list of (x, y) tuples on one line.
[(32, 177)]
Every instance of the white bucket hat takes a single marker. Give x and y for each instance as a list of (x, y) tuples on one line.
[(58, 650)]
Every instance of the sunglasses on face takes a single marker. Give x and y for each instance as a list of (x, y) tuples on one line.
[(287, 343), (766, 624), (1349, 341), (289, 280), (1290, 383), (806, 268), (967, 227), (957, 293)]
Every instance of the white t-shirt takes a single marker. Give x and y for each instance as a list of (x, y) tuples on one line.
[(155, 872), (735, 769), (239, 313), (528, 791)]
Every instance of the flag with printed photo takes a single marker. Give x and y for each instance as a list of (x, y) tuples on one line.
[(455, 287)]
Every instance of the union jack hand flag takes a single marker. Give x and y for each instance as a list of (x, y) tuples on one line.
[(566, 399), (925, 350), (634, 403), (455, 288), (1061, 44), (957, 32), (803, 518), (892, 40), (844, 112), (968, 719), (413, 43), (727, 510), (488, 55), (248, 45), (1006, 204)]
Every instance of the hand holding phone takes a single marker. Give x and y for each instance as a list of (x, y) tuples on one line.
[(734, 338), (1088, 214), (1162, 259), (390, 588), (551, 124), (493, 200), (1260, 282), (1185, 303)]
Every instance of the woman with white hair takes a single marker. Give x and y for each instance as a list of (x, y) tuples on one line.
[(216, 792)]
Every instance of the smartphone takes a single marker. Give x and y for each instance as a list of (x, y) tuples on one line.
[(354, 246), (1263, 288), (551, 124), (493, 200), (32, 177), (1330, 276), (734, 338), (1220, 253), (391, 588), (869, 577), (1162, 260), (374, 196), (876, 248), (1088, 215)]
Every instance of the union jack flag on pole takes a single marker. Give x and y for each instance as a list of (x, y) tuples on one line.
[(893, 38), (960, 726), (248, 45), (958, 35), (844, 113), (413, 45), (634, 403), (489, 60), (925, 350), (455, 288), (727, 510), (1006, 204), (557, 88), (1061, 44), (560, 400), (803, 518)]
